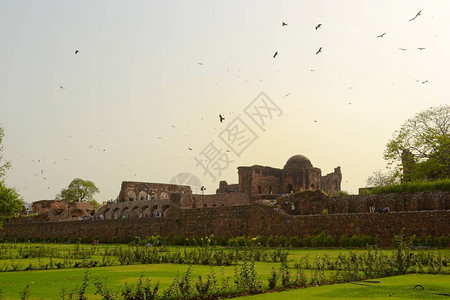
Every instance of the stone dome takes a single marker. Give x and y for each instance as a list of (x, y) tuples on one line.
[(298, 161)]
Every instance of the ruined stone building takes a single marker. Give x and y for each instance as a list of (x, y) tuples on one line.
[(144, 199), (298, 174)]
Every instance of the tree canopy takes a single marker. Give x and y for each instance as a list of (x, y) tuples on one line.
[(4, 165), (78, 190), (382, 179), (421, 148), (10, 201)]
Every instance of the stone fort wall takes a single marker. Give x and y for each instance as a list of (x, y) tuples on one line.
[(430, 217)]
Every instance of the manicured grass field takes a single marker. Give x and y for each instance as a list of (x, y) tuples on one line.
[(48, 284), (398, 287)]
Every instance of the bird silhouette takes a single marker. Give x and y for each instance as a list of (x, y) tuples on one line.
[(420, 48), (221, 118), (315, 121), (381, 35), (418, 14), (287, 94), (284, 24), (318, 51), (200, 64), (62, 87), (190, 148), (275, 55), (318, 26), (424, 81), (403, 49), (76, 51)]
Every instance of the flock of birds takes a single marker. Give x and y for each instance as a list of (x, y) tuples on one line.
[(275, 55)]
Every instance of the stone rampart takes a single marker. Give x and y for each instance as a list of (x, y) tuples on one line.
[(421, 214)]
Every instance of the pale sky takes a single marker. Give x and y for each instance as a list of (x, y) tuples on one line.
[(135, 97)]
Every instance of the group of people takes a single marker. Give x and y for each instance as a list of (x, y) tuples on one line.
[(380, 209)]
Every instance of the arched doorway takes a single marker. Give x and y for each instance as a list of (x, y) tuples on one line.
[(289, 188)]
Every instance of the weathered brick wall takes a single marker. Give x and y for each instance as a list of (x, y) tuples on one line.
[(331, 183), (315, 202), (251, 220), (266, 221), (422, 214), (224, 188), (219, 200)]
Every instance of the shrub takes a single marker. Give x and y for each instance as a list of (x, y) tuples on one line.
[(343, 193), (413, 187), (319, 240), (307, 241), (354, 241), (429, 241), (330, 241), (179, 240), (271, 242), (414, 240), (295, 242), (283, 241), (441, 241), (260, 241), (344, 241), (273, 278)]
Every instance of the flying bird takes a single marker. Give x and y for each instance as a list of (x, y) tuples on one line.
[(418, 14), (287, 94), (381, 35), (76, 51), (62, 87), (318, 26), (420, 48), (403, 49), (284, 24), (200, 64), (221, 118), (190, 148), (424, 81), (312, 70), (315, 121), (318, 51), (275, 55)]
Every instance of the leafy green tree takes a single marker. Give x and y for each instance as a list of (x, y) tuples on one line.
[(383, 179), (4, 165), (78, 190), (421, 148), (10, 201)]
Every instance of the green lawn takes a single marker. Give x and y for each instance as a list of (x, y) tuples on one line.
[(47, 284), (398, 287)]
